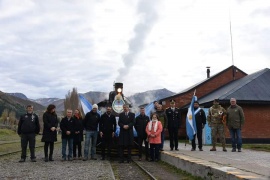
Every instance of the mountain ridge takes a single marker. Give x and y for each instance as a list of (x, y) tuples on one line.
[(17, 104), (97, 96)]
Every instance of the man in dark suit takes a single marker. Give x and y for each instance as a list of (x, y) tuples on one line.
[(174, 118), (107, 127), (126, 123), (140, 126), (67, 126)]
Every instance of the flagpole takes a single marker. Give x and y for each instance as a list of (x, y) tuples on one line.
[(233, 74), (186, 129)]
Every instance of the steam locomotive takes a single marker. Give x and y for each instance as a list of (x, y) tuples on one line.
[(116, 101)]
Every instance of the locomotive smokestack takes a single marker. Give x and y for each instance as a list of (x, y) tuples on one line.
[(208, 72)]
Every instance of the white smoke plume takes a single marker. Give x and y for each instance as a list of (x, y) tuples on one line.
[(146, 9)]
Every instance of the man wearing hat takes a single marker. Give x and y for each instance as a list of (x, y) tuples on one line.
[(173, 124), (90, 123), (215, 121)]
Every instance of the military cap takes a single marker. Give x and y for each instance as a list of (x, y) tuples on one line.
[(216, 100), (172, 101)]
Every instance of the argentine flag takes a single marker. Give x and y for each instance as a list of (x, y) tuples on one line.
[(86, 105), (190, 120), (148, 110)]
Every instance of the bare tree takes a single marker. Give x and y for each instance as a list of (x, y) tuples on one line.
[(4, 116), (72, 100), (12, 119)]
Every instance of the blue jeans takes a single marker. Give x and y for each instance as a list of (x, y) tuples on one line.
[(162, 139), (236, 138), (66, 141), (90, 140)]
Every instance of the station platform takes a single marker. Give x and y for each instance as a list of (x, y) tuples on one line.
[(248, 164)]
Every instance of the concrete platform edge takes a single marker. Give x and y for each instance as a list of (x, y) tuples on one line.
[(207, 169)]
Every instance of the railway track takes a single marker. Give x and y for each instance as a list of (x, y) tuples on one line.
[(147, 170), (151, 176), (11, 142), (130, 170), (17, 151)]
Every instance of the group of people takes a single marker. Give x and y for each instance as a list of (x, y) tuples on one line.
[(71, 127), (150, 131), (217, 119), (234, 118)]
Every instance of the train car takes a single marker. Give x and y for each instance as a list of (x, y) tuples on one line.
[(116, 100)]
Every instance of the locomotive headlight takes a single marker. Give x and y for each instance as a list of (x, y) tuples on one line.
[(119, 90)]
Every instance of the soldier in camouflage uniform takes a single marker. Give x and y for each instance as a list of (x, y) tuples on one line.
[(215, 121), (163, 119)]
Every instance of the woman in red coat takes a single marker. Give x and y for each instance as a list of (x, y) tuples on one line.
[(153, 130)]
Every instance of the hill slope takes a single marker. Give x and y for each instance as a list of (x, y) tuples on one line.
[(16, 104), (149, 96)]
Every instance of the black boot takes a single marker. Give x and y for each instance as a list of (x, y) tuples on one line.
[(22, 160), (50, 158), (46, 159)]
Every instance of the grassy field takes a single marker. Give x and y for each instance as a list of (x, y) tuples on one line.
[(10, 141), (257, 147), (8, 135)]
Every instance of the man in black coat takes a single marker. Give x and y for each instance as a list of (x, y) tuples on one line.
[(107, 127), (28, 127), (67, 127), (141, 122), (200, 123), (174, 118), (126, 123)]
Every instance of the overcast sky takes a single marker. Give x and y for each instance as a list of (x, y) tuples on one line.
[(49, 47)]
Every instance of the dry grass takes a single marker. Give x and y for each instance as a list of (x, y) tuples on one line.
[(257, 147), (8, 135), (10, 141)]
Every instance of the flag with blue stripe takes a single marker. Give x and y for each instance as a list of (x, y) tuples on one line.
[(148, 109), (190, 120), (86, 105)]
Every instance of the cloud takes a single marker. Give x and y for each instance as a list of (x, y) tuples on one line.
[(47, 48)]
